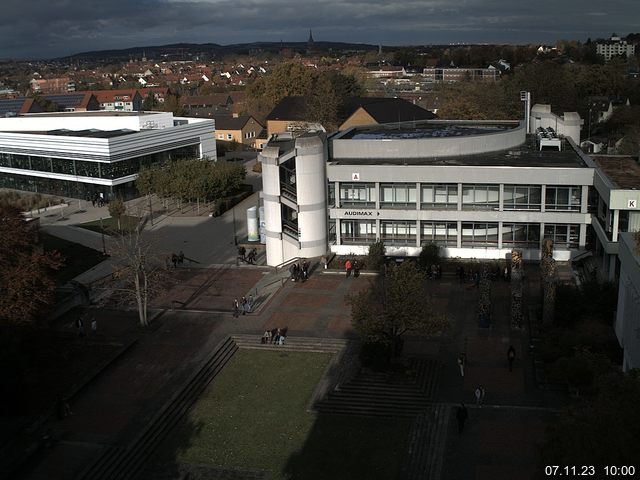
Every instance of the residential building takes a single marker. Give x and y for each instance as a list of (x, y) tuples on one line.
[(80, 154), (615, 46), (242, 129), (291, 114), (478, 189), (119, 100), (52, 85), (454, 74), (67, 102)]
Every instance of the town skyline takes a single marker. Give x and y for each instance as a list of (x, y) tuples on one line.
[(44, 30)]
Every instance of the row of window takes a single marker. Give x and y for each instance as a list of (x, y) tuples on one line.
[(82, 168), (446, 195), (472, 234)]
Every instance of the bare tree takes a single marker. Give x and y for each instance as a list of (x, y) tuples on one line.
[(139, 269)]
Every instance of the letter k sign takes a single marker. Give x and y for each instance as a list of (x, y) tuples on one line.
[(632, 204)]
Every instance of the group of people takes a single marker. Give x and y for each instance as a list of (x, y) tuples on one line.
[(244, 306), (250, 257), (479, 393), (434, 272), (299, 271), (175, 260), (275, 336), (97, 199), (352, 267)]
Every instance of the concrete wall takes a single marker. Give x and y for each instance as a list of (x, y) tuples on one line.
[(429, 147), (567, 125)]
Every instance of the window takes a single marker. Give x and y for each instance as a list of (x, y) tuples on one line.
[(357, 231), (566, 236), (563, 198), (439, 196), (525, 235), (522, 197), (229, 136), (289, 221), (479, 234), (398, 232), (359, 195), (443, 234), (331, 194), (221, 136), (480, 197), (397, 195)]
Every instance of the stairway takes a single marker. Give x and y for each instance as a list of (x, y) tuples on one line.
[(427, 442), (295, 344), (125, 462), (384, 394)]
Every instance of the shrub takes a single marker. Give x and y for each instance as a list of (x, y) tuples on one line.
[(376, 257), (430, 255)]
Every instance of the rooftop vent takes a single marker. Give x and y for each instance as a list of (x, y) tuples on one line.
[(547, 137)]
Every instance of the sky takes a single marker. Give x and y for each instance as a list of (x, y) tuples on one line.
[(40, 29)]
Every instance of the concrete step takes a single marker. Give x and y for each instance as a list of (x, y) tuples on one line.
[(125, 462)]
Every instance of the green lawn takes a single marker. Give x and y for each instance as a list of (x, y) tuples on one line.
[(254, 416), (77, 258), (109, 225)]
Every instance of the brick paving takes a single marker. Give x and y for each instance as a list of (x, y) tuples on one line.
[(496, 443)]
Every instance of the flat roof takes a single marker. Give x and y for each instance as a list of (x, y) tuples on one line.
[(525, 155), (92, 133), (623, 171), (90, 113), (429, 129)]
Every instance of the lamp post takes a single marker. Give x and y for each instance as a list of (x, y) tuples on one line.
[(235, 237), (104, 247), (589, 133)]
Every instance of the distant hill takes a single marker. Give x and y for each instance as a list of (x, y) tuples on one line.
[(185, 51)]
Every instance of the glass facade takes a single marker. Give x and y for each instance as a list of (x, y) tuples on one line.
[(524, 235), (357, 231), (398, 195), (565, 236), (359, 195), (522, 197), (440, 233), (480, 197), (563, 198), (479, 234), (398, 232), (82, 168), (439, 196)]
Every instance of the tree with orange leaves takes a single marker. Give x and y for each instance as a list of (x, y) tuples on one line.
[(26, 285)]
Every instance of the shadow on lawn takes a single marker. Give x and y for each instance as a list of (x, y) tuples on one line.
[(351, 448)]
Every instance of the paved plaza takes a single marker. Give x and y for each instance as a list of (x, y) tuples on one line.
[(499, 439)]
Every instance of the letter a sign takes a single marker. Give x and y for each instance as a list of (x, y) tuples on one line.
[(355, 177), (632, 204)]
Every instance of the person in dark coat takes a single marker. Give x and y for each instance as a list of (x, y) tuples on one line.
[(461, 416), (511, 356)]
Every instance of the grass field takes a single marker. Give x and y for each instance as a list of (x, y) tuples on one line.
[(109, 225), (254, 416), (77, 258)]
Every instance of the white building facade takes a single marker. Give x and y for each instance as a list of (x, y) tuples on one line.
[(477, 189), (627, 325), (87, 153)]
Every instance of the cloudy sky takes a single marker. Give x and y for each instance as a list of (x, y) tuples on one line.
[(51, 28)]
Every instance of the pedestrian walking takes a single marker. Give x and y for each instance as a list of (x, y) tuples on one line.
[(348, 267), (174, 260), (250, 303), (80, 327), (511, 357), (94, 327), (462, 416), (479, 394), (181, 257), (236, 308), (356, 269), (462, 360), (243, 305)]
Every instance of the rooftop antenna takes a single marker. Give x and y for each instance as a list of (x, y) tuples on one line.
[(526, 98)]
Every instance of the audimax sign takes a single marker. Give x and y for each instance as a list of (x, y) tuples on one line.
[(359, 213)]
